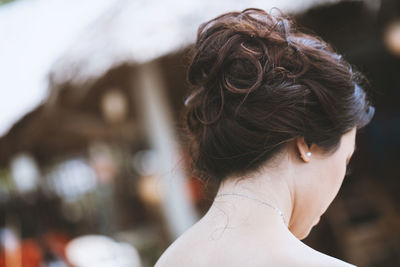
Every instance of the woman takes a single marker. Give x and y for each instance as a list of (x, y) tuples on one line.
[(273, 120)]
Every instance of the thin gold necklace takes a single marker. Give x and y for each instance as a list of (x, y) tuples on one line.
[(257, 200)]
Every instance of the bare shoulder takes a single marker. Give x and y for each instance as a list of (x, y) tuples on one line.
[(196, 248), (179, 254), (165, 259), (182, 252), (291, 255), (172, 256), (311, 257), (326, 260)]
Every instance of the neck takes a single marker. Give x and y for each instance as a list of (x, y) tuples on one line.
[(272, 187)]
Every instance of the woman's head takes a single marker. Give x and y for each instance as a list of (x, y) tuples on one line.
[(260, 83), (262, 88)]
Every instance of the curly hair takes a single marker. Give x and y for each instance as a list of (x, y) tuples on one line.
[(259, 83)]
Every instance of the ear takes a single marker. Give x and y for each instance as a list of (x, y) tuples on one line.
[(303, 149)]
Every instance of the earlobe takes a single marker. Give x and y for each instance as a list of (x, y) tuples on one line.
[(303, 149)]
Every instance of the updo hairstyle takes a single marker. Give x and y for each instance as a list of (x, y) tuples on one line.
[(258, 84)]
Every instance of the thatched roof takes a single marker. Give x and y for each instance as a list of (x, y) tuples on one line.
[(33, 35)]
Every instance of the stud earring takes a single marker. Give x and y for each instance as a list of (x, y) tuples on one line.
[(308, 154)]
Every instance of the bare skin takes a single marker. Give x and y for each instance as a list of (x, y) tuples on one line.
[(237, 231)]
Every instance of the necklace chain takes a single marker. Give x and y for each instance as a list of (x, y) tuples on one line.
[(257, 200)]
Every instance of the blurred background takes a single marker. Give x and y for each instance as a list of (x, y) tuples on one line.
[(93, 170)]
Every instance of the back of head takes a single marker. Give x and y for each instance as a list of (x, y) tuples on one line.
[(259, 83)]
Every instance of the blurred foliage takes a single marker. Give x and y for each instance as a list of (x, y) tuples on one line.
[(5, 1), (6, 185)]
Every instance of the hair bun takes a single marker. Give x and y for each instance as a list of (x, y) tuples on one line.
[(259, 82)]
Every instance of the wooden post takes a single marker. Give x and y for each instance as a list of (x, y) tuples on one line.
[(150, 93)]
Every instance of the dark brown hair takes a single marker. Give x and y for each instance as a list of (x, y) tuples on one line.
[(260, 83)]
